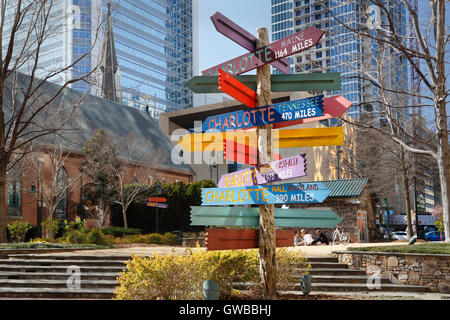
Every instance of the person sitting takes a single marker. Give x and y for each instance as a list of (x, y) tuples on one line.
[(321, 237), (299, 238)]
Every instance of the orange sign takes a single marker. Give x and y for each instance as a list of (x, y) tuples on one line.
[(236, 89), (156, 199)]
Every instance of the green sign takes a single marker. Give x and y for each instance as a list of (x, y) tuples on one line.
[(249, 217), (279, 82)]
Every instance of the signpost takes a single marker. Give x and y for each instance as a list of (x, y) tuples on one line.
[(269, 114), (245, 39), (156, 203), (279, 82), (275, 51), (284, 169), (248, 217), (314, 192)]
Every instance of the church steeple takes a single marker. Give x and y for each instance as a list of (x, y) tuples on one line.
[(110, 66)]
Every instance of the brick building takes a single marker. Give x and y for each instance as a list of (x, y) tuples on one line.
[(93, 113)]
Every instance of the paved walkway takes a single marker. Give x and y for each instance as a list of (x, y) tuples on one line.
[(309, 251)]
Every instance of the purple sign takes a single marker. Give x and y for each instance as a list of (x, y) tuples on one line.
[(277, 50), (157, 205), (278, 170), (245, 39)]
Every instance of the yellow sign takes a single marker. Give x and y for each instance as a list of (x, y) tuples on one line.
[(282, 138)]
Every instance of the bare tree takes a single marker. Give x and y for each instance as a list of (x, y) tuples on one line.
[(26, 30), (428, 61), (46, 163), (134, 176)]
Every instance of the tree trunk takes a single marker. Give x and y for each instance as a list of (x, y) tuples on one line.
[(267, 241), (406, 192), (124, 214), (3, 199)]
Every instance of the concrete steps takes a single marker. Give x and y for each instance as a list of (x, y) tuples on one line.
[(45, 276), (328, 275)]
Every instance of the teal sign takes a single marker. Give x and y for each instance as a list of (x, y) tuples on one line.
[(249, 217), (314, 192)]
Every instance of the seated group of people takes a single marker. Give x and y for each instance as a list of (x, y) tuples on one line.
[(302, 238)]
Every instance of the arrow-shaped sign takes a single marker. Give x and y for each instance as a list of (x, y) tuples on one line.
[(245, 39), (279, 82), (283, 48), (157, 205), (237, 90), (311, 192), (249, 217), (288, 168), (253, 117), (333, 107), (282, 138)]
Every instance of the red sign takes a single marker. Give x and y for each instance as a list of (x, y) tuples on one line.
[(236, 89), (228, 239), (285, 47), (157, 199)]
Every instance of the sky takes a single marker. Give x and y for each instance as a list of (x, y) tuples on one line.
[(215, 48)]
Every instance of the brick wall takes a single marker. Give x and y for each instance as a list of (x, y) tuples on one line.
[(30, 200)]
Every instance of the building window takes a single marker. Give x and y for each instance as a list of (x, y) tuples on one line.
[(62, 183), (14, 198)]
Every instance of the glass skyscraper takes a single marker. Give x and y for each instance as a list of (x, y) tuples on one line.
[(340, 50), (154, 46)]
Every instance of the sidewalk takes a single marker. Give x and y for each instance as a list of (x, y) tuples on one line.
[(309, 251)]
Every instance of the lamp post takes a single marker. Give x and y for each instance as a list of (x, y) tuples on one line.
[(385, 201), (158, 191)]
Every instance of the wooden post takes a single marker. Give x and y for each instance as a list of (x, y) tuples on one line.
[(267, 244)]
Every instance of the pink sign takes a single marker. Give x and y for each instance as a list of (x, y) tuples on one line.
[(275, 51), (278, 170)]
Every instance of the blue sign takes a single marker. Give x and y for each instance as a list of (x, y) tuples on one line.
[(253, 117), (314, 192)]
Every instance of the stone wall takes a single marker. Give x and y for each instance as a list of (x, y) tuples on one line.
[(192, 242), (431, 270)]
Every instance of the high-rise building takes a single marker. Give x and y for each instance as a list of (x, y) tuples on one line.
[(340, 50), (154, 43)]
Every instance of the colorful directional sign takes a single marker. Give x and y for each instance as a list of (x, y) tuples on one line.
[(245, 39), (282, 138), (314, 192), (333, 107), (249, 217), (277, 50), (310, 137), (288, 168), (236, 89), (157, 205), (279, 82), (253, 117), (229, 239), (157, 199)]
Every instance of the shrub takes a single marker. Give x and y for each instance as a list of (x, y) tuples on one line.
[(50, 227), (120, 232), (76, 236), (164, 277), (182, 276), (95, 236), (227, 266), (18, 230)]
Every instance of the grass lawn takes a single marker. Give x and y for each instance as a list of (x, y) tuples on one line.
[(38, 245), (431, 248)]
